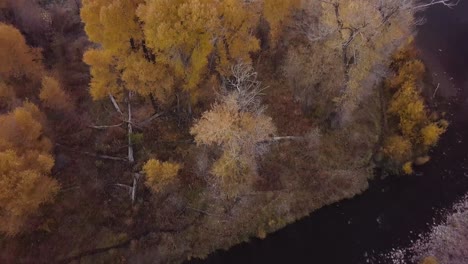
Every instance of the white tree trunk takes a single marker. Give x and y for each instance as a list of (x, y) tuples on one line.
[(114, 102), (136, 176), (131, 158)]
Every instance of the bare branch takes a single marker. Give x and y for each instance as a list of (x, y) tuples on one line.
[(92, 154), (105, 127), (447, 3), (114, 102), (148, 120)]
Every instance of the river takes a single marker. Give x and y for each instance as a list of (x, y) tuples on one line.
[(395, 210)]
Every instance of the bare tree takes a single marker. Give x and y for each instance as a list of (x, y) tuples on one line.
[(237, 125), (365, 33)]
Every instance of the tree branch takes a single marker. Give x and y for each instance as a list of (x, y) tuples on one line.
[(131, 158), (92, 154), (105, 127), (114, 102)]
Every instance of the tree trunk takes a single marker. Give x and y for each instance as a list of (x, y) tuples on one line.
[(116, 106), (189, 103), (154, 103), (131, 158), (136, 177)]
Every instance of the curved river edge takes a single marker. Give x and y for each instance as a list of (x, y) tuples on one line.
[(396, 211)]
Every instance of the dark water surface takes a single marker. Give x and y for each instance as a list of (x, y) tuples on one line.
[(394, 210)]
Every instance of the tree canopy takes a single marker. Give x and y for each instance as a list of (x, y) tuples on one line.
[(153, 46), (25, 167)]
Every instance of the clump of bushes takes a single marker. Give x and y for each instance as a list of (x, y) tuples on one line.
[(414, 130)]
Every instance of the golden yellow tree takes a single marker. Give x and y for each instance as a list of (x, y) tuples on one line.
[(122, 55), (398, 149), (25, 166), (160, 174), (147, 46), (408, 105), (416, 131), (431, 133), (191, 36), (238, 125)]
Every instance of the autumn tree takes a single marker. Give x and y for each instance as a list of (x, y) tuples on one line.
[(278, 13), (160, 174), (52, 95), (416, 131), (237, 125), (18, 59), (25, 167), (149, 46), (22, 72), (360, 36)]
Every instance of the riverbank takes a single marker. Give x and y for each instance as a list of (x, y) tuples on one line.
[(394, 211)]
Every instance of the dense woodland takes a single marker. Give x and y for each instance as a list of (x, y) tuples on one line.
[(153, 131)]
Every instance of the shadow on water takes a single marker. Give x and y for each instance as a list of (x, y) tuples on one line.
[(394, 210)]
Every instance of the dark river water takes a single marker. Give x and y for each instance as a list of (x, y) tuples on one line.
[(394, 210)]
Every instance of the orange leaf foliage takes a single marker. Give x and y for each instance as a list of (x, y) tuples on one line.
[(25, 163), (17, 58), (53, 95)]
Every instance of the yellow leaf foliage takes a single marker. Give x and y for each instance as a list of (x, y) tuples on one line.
[(104, 73), (408, 168), (237, 132), (150, 46), (160, 174), (417, 132), (408, 105), (53, 96), (17, 58), (411, 71), (398, 148), (145, 77), (186, 33), (432, 132), (111, 23), (25, 163)]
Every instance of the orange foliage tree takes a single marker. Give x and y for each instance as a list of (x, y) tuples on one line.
[(52, 94), (18, 59), (25, 166), (21, 72), (25, 152)]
